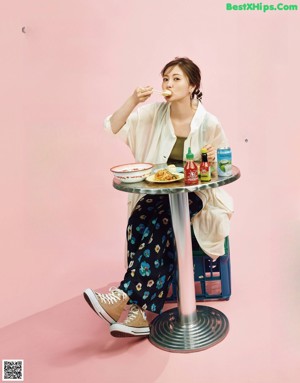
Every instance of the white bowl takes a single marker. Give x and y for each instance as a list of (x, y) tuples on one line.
[(130, 173)]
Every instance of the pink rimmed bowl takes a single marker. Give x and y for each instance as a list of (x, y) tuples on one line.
[(130, 173)]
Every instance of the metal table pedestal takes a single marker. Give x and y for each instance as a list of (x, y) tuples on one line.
[(168, 333), (189, 327)]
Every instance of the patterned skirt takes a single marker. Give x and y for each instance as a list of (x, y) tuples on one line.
[(151, 251)]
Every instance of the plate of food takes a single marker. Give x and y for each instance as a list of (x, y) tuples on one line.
[(164, 176)]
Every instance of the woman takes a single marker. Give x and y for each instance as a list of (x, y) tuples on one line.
[(158, 133)]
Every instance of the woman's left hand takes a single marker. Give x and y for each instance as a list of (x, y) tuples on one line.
[(211, 153)]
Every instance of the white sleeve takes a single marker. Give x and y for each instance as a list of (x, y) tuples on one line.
[(213, 133), (123, 133), (137, 125)]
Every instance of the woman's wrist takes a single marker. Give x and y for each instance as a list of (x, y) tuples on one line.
[(133, 100)]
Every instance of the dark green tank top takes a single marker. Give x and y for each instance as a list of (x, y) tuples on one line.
[(177, 151)]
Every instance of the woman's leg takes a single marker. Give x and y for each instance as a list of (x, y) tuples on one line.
[(151, 257), (151, 251)]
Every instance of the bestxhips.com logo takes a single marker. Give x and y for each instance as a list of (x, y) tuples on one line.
[(261, 7)]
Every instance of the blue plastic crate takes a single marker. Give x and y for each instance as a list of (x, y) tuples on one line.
[(212, 278)]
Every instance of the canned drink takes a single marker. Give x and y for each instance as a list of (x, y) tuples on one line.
[(224, 162)]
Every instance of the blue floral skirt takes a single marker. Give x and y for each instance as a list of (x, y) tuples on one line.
[(151, 251)]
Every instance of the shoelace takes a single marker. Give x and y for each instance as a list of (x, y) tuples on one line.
[(134, 310), (113, 296)]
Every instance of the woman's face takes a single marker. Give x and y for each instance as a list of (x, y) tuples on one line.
[(175, 80)]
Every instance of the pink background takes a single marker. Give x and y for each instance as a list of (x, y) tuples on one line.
[(62, 223)]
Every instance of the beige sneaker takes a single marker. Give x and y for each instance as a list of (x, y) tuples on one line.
[(135, 324), (108, 306)]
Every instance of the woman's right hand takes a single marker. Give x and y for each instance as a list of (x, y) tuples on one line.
[(141, 94)]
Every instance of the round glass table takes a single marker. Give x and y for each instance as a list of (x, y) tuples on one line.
[(189, 327)]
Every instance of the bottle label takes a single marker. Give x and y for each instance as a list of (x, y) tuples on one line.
[(224, 162), (205, 173), (191, 174)]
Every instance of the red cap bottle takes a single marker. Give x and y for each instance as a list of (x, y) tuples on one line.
[(190, 170)]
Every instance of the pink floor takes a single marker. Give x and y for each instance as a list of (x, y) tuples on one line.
[(69, 343)]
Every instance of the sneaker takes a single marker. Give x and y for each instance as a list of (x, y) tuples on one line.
[(108, 306), (135, 324)]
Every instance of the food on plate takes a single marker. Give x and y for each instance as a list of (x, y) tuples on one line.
[(172, 168), (164, 175)]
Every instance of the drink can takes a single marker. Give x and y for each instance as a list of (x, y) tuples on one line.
[(224, 162)]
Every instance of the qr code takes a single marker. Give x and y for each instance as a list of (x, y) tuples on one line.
[(13, 370)]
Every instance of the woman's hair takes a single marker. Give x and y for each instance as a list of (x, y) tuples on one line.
[(192, 72)]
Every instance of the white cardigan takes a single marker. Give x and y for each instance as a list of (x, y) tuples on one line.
[(150, 135)]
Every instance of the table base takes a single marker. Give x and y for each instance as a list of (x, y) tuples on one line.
[(167, 331)]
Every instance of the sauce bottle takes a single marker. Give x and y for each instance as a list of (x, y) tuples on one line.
[(205, 171), (190, 170)]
